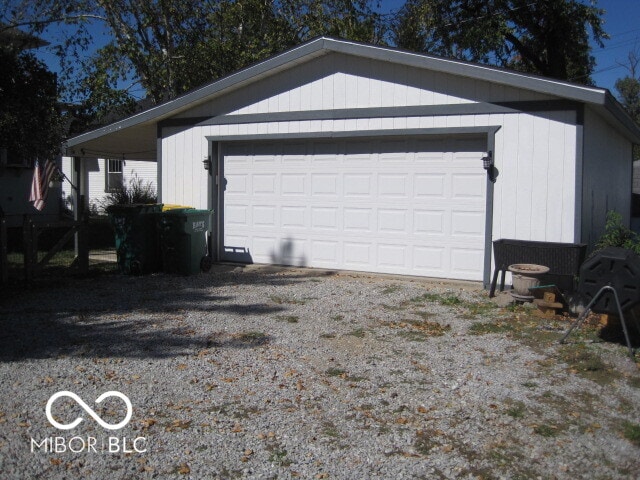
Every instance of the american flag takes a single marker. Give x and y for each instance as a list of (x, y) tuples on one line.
[(40, 183)]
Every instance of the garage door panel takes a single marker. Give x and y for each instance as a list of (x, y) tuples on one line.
[(265, 215), (383, 206), (393, 186), (430, 260), (237, 184), (392, 221), (358, 220), (467, 224), (393, 256), (468, 186), (430, 186), (293, 217), (324, 252), (291, 250), (358, 255), (357, 185), (324, 218), (429, 222), (324, 184), (465, 263), (293, 184), (264, 184)]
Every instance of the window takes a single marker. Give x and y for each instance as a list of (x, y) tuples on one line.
[(114, 178)]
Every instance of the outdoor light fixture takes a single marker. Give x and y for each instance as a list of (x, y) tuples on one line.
[(207, 163), (487, 161)]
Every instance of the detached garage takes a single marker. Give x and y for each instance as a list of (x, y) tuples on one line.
[(349, 156)]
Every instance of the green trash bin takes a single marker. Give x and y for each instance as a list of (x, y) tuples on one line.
[(183, 239), (136, 235)]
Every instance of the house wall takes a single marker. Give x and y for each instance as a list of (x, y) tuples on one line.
[(96, 168), (607, 176), (535, 153)]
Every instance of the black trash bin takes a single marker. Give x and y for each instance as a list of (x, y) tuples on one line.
[(183, 239), (136, 237)]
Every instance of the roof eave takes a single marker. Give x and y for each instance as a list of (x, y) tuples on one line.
[(224, 84), (323, 45)]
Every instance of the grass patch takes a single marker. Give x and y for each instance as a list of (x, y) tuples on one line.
[(424, 441), (586, 362), (328, 336), (632, 432), (418, 330), (634, 382), (289, 300), (547, 431), (329, 429), (278, 456), (516, 410), (389, 289), (337, 318), (250, 339), (336, 372), (447, 300), (423, 314), (287, 318), (358, 333), (485, 328)]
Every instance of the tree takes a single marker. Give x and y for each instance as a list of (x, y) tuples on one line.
[(30, 123), (547, 37), (628, 89), (173, 46), (168, 47)]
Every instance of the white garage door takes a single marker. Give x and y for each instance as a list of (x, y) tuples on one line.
[(407, 206)]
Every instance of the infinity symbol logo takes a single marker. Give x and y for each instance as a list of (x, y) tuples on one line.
[(88, 409)]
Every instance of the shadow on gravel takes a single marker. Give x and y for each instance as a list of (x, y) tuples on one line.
[(125, 316)]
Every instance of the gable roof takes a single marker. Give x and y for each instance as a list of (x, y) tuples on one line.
[(136, 135)]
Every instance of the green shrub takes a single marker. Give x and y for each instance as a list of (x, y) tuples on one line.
[(618, 235), (137, 191)]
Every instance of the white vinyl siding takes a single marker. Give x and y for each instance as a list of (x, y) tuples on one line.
[(607, 180), (339, 81), (96, 171)]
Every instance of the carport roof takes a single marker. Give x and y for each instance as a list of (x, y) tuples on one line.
[(135, 137)]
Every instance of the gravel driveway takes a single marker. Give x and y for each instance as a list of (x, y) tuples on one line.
[(284, 373)]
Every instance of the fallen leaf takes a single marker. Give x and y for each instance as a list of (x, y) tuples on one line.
[(184, 469), (182, 366), (237, 428), (55, 461), (421, 409)]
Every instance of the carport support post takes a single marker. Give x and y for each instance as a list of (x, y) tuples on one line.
[(81, 215), (4, 261)]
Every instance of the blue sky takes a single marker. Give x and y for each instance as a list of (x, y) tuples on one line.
[(622, 23)]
